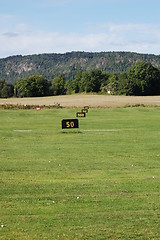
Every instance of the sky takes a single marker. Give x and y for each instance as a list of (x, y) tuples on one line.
[(59, 26)]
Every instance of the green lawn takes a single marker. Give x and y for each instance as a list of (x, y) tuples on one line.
[(101, 181)]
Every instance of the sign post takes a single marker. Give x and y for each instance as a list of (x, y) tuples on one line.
[(70, 123)]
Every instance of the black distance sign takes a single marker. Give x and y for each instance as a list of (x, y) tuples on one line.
[(70, 123), (81, 114), (84, 110)]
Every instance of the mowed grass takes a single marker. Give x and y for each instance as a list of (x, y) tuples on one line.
[(101, 181)]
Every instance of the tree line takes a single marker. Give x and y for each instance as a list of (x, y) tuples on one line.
[(68, 64), (139, 80)]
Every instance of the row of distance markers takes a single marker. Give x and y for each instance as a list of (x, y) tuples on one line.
[(73, 123)]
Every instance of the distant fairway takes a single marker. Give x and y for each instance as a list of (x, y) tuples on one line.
[(101, 181)]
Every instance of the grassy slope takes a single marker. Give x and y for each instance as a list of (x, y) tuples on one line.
[(98, 182)]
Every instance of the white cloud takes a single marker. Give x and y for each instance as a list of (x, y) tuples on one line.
[(143, 38)]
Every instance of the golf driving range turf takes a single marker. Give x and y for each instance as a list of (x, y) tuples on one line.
[(100, 181)]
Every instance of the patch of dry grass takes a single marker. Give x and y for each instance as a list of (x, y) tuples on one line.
[(79, 100)]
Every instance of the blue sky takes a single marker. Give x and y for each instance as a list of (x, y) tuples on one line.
[(58, 26)]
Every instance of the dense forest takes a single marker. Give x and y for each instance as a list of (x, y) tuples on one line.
[(68, 64), (140, 79)]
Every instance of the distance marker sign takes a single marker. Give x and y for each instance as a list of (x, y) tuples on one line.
[(86, 107), (84, 110), (81, 114), (70, 123)]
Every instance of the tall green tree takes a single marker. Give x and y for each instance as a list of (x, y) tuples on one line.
[(105, 77), (77, 82), (125, 86), (58, 85), (113, 84), (6, 89), (69, 87), (83, 83), (94, 81), (88, 81), (141, 79), (33, 86)]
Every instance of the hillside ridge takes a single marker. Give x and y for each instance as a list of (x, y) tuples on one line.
[(51, 64)]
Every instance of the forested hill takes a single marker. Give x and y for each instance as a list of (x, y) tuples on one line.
[(68, 64)]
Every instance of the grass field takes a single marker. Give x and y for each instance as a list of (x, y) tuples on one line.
[(101, 181)]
